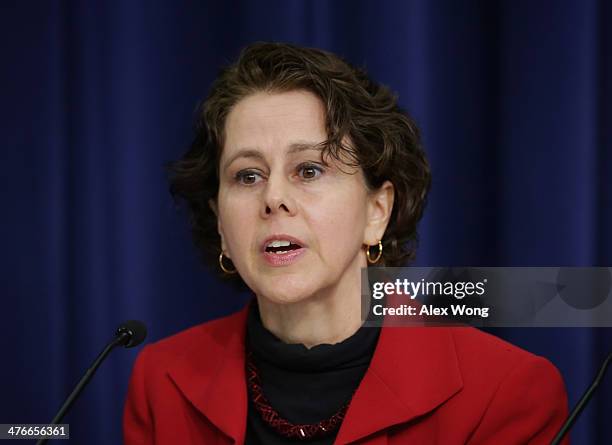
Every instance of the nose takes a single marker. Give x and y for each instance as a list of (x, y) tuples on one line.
[(277, 197)]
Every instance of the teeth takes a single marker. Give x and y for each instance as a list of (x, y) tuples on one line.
[(279, 243)]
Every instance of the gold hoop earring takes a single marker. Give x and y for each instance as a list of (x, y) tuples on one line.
[(223, 268), (380, 251)]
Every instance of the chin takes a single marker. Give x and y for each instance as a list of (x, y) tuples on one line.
[(286, 296), (285, 291)]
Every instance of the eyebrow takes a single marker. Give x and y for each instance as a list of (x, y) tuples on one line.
[(296, 147)]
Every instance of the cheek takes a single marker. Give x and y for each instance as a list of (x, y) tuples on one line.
[(237, 235), (339, 224)]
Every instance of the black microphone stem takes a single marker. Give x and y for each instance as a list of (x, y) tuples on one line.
[(582, 402), (120, 339)]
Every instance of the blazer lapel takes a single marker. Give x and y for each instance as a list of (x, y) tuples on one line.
[(413, 371), (211, 376)]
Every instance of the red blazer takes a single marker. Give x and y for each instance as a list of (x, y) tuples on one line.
[(425, 385)]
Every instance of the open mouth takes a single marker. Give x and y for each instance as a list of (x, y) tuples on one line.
[(281, 247), (283, 250)]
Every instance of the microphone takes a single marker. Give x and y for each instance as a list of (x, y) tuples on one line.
[(571, 419), (131, 333)]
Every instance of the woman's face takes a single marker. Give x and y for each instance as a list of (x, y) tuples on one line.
[(275, 190)]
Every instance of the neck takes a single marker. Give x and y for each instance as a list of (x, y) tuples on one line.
[(328, 317)]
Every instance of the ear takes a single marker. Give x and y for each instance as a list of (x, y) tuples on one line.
[(213, 206), (380, 206)]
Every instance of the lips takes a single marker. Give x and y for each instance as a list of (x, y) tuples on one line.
[(282, 250), (281, 243)]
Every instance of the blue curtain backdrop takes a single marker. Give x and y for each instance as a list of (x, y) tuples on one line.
[(513, 97)]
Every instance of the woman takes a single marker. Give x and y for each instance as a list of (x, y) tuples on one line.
[(303, 172)]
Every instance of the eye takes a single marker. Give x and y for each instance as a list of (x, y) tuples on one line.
[(309, 171), (247, 177)]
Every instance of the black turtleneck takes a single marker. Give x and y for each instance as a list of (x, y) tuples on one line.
[(304, 385)]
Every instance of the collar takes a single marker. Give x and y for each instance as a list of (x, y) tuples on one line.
[(413, 371), (268, 350)]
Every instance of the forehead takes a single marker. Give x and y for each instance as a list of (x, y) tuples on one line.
[(275, 119)]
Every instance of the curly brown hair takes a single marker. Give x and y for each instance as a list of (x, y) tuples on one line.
[(384, 140)]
